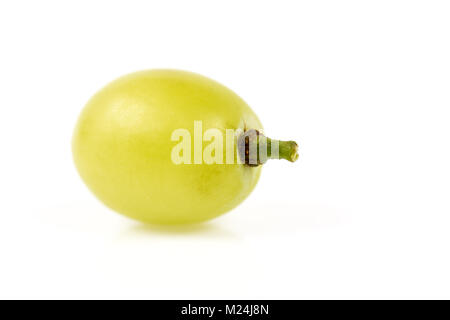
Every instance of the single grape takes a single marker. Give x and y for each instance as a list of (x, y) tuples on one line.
[(123, 147)]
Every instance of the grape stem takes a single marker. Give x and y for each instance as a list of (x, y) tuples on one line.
[(255, 149)]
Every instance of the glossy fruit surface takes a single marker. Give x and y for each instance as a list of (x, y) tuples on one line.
[(122, 147)]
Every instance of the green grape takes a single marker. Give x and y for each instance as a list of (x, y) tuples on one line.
[(124, 147)]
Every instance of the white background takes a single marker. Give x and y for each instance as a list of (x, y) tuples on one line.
[(363, 86)]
